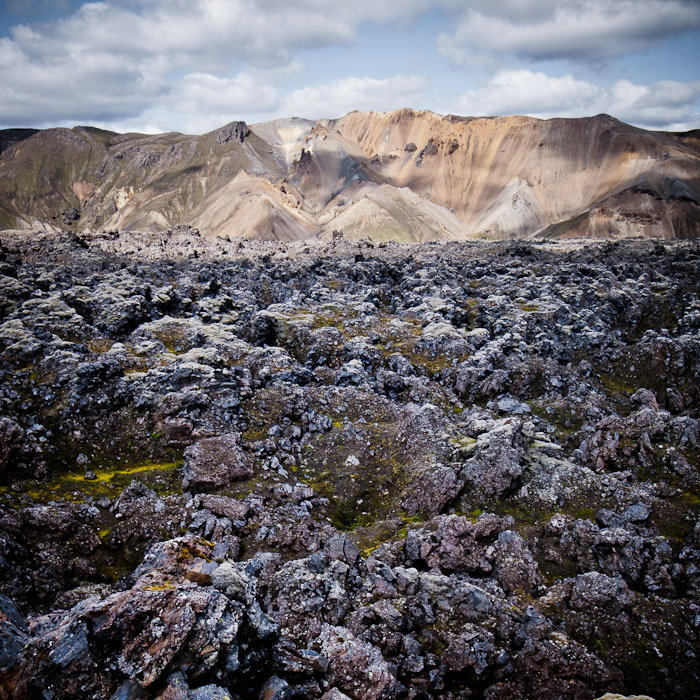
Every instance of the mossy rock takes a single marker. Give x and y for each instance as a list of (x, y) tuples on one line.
[(162, 477)]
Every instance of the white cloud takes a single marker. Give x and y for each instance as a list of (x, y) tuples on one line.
[(202, 102), (664, 104), (202, 92), (527, 92), (573, 29), (335, 98), (111, 61), (191, 65)]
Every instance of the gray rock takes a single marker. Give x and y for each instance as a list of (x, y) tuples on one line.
[(215, 462), (355, 666), (13, 634), (596, 591), (209, 692)]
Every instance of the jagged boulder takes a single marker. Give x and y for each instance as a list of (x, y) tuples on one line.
[(215, 462)]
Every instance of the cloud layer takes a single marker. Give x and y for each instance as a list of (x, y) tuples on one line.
[(192, 64), (526, 92), (586, 30)]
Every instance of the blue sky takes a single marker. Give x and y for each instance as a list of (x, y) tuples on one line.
[(192, 65)]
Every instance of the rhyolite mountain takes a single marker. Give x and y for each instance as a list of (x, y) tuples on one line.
[(403, 175)]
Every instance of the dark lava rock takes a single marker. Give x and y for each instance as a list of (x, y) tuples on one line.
[(237, 131), (215, 462), (234, 469)]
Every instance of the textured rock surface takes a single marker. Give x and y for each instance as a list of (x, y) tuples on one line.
[(348, 470), (215, 462)]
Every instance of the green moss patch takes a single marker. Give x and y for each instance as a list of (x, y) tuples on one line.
[(565, 418), (163, 477), (360, 468), (676, 517), (640, 368), (369, 538)]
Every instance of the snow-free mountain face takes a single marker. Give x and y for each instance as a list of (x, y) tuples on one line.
[(403, 175)]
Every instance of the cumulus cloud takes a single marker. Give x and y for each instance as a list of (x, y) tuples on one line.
[(205, 92), (570, 29), (200, 102), (203, 102), (526, 92), (664, 104), (335, 98), (191, 65), (112, 60)]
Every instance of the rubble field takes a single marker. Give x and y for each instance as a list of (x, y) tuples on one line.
[(337, 470)]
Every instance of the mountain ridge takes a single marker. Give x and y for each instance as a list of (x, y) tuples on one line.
[(404, 175)]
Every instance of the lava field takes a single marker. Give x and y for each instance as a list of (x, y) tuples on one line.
[(348, 469)]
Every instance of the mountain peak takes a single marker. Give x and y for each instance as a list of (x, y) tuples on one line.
[(470, 177)]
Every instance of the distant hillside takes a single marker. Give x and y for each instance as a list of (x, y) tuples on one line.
[(402, 175)]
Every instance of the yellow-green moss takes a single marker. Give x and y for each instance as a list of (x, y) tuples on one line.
[(564, 418), (99, 345), (165, 586), (676, 517), (363, 494), (106, 475), (617, 384), (73, 486), (369, 538)]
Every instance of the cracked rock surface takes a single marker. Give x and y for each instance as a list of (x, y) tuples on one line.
[(348, 470)]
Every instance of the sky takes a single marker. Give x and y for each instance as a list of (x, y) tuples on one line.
[(194, 65)]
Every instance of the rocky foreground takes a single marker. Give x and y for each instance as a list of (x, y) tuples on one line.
[(348, 470)]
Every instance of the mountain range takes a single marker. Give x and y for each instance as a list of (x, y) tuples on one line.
[(405, 175)]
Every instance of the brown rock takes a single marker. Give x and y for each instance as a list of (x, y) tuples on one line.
[(215, 462)]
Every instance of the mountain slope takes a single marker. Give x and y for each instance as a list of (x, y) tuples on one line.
[(508, 176), (402, 175)]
